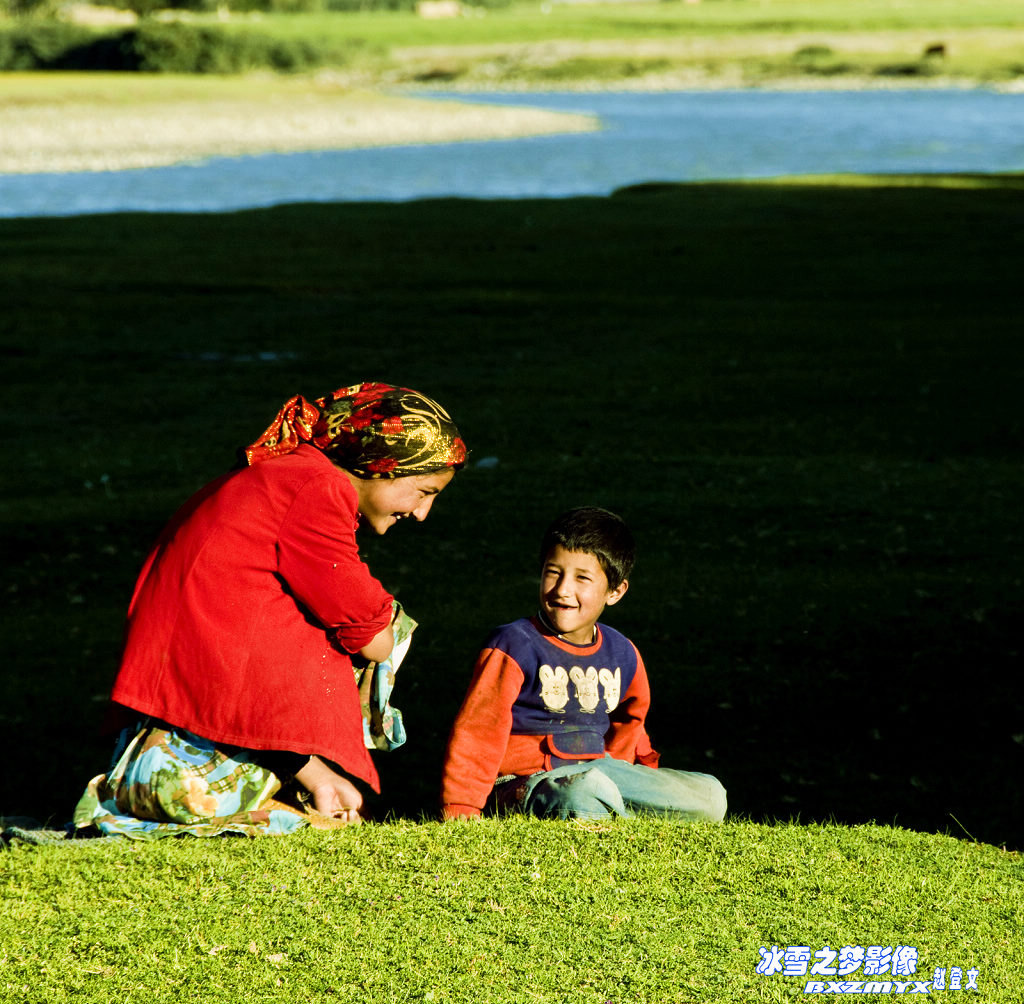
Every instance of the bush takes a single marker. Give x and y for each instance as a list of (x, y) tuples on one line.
[(25, 8), (163, 48), (349, 6), (40, 45), (182, 48), (273, 6), (920, 68), (811, 53)]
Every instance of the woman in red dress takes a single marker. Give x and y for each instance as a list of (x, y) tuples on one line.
[(237, 670)]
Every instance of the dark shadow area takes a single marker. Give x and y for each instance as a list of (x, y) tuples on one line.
[(805, 400)]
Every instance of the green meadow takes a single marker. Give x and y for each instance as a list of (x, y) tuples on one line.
[(544, 44), (520, 22), (521, 911), (731, 42), (804, 397)]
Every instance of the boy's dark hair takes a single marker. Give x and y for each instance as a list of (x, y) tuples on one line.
[(595, 531)]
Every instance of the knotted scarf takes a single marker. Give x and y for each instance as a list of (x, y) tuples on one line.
[(373, 430)]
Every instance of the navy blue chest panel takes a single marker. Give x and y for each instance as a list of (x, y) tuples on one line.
[(565, 695)]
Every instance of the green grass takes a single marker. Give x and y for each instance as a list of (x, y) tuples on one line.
[(533, 22), (520, 911), (804, 397), (677, 44), (727, 42), (119, 90)]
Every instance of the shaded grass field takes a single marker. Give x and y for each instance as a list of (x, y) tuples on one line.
[(804, 398)]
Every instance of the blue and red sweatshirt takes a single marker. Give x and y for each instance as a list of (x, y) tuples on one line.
[(536, 701)]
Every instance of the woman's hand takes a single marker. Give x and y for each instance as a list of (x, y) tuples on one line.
[(334, 795)]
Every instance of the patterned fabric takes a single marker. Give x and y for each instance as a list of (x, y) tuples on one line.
[(26, 830), (382, 724), (373, 430), (169, 782)]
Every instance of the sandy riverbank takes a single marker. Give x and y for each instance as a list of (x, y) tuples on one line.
[(148, 122)]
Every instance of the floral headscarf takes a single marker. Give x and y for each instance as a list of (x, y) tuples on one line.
[(373, 430)]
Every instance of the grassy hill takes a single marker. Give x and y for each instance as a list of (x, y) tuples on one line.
[(638, 912), (804, 398)]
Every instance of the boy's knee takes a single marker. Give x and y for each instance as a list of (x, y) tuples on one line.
[(717, 801), (708, 800), (585, 794)]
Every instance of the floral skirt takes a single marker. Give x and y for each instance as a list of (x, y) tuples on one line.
[(167, 782)]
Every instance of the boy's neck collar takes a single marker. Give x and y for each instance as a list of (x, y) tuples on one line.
[(560, 637)]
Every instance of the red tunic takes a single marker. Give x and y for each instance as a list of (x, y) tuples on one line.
[(246, 611)]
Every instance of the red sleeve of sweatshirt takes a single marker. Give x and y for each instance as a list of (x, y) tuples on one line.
[(627, 738), (480, 735)]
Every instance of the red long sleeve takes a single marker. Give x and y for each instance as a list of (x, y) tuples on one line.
[(627, 738), (480, 735)]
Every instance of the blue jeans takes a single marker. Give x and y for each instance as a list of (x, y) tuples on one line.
[(600, 789)]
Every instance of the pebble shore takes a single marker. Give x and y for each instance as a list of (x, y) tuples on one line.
[(92, 135)]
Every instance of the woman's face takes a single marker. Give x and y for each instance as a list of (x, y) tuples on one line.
[(384, 501)]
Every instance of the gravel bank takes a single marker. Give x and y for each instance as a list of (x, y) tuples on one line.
[(91, 134)]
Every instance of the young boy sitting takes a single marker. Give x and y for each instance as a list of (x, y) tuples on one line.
[(553, 723)]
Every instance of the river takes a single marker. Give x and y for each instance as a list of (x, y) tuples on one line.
[(671, 136)]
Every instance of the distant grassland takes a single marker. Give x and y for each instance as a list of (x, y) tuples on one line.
[(734, 42), (714, 19), (662, 45)]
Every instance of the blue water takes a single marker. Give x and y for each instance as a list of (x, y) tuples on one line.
[(675, 136)]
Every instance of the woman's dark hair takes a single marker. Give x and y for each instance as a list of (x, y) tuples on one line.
[(595, 531)]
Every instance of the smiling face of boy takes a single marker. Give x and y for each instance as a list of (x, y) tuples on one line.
[(574, 592)]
